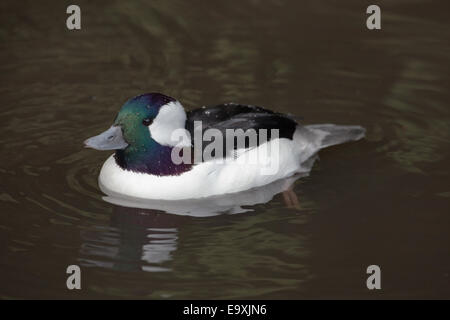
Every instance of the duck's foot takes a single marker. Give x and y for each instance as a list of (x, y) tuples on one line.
[(291, 199)]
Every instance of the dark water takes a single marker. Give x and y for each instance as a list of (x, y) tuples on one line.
[(384, 200)]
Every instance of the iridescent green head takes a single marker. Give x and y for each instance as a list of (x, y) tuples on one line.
[(137, 115), (141, 132)]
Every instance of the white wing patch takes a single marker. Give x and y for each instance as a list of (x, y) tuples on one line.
[(171, 117)]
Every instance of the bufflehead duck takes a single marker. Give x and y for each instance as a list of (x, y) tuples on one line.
[(156, 144)]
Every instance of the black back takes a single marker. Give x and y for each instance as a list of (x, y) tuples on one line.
[(239, 116)]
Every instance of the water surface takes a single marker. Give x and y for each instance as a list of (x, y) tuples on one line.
[(384, 200)]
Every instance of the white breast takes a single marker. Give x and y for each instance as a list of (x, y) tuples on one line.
[(215, 177)]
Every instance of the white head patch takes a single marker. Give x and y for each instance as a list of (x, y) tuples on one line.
[(171, 117)]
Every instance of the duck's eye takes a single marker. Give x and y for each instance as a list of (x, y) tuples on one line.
[(147, 121)]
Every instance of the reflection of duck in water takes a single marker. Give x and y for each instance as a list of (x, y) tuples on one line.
[(143, 137), (144, 234), (138, 239)]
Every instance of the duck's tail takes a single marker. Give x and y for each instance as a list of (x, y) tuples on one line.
[(332, 134)]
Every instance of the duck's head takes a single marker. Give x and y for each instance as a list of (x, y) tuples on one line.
[(143, 122)]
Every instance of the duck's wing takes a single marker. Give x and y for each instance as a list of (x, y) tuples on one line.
[(222, 112), (238, 116)]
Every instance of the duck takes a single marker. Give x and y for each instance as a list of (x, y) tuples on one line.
[(163, 152)]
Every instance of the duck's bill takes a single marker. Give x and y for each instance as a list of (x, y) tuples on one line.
[(111, 139)]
